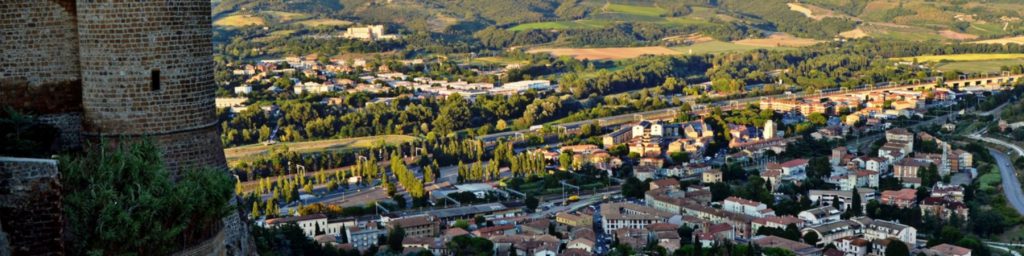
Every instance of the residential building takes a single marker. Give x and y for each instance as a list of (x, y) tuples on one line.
[(418, 226), (617, 137), (576, 220), (903, 198), (715, 233), (845, 197), (798, 248), (310, 224), (832, 231), (746, 206), (780, 222), (948, 250), (944, 208), (820, 215), (852, 246), (364, 236), (243, 89), (629, 215), (632, 237), (713, 176), (881, 229)]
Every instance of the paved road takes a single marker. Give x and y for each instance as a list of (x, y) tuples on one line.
[(1011, 185)]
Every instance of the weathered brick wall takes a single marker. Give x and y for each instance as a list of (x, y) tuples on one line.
[(30, 206), (70, 126), (39, 71), (40, 44), (195, 148), (123, 42)]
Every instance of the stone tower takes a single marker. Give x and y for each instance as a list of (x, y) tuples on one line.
[(147, 70), (108, 69)]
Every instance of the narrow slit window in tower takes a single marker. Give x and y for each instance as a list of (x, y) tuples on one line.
[(154, 80)]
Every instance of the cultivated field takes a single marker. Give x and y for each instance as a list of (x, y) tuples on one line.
[(855, 33), (964, 57), (982, 66), (715, 46), (325, 22), (275, 35), (650, 11), (610, 14), (778, 40), (286, 16), (956, 35), (241, 152), (703, 47), (240, 20), (813, 12), (561, 25), (1008, 40), (606, 53)]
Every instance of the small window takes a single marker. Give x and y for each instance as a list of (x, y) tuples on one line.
[(154, 80)]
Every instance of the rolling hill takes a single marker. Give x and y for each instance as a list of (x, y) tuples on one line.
[(560, 23)]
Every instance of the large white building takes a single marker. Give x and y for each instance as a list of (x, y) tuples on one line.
[(371, 32), (880, 229), (308, 223), (313, 87), (747, 207), (820, 215), (629, 215)]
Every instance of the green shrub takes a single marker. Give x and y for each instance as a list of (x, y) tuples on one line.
[(121, 200)]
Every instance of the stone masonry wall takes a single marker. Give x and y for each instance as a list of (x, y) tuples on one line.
[(124, 43), (39, 71), (70, 125), (40, 41), (30, 206), (192, 149)]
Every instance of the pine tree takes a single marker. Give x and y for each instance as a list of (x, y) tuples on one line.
[(855, 205)]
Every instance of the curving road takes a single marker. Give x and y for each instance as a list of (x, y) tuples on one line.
[(1011, 185)]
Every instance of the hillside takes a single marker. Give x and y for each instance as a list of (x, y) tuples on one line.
[(473, 25)]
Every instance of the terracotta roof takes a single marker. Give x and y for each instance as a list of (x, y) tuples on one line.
[(414, 221), (666, 182), (662, 227), (948, 249), (778, 242), (453, 232), (575, 252), (743, 201), (794, 163)]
